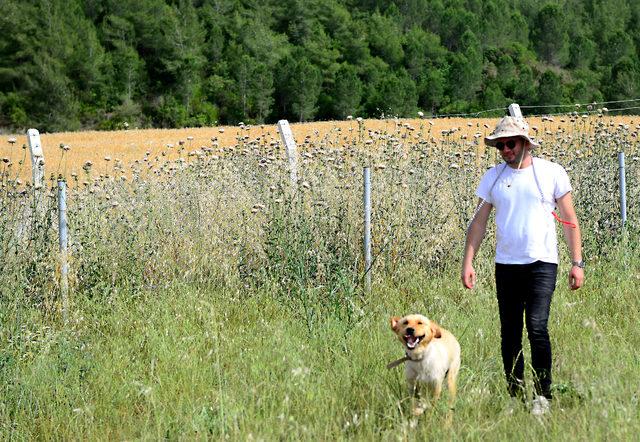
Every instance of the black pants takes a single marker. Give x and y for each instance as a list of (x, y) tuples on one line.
[(526, 289)]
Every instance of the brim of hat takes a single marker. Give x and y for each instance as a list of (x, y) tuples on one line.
[(491, 140)]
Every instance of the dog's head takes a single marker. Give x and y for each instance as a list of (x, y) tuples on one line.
[(415, 332)]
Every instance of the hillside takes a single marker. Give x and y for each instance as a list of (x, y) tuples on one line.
[(67, 65)]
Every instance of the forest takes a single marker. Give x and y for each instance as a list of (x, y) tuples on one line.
[(108, 64)]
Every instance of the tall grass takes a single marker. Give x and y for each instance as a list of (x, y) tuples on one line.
[(213, 299)]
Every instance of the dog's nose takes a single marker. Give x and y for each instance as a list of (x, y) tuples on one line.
[(409, 331)]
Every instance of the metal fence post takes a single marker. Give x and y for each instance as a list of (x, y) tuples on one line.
[(623, 189), (367, 230), (63, 237)]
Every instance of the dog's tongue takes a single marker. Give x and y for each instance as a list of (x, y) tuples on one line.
[(411, 340)]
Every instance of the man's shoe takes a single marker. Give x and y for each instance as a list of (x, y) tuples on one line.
[(540, 406)]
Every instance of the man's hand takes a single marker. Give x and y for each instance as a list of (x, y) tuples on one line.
[(475, 233), (468, 276), (576, 277)]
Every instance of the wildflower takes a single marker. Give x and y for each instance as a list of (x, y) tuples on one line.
[(421, 114)]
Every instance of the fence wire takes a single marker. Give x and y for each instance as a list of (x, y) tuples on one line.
[(230, 217)]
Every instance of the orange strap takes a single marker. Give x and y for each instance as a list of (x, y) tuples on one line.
[(570, 224)]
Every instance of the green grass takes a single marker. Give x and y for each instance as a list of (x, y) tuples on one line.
[(188, 363), (212, 302)]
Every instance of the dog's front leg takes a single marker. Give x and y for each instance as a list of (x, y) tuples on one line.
[(417, 407), (413, 387), (436, 390)]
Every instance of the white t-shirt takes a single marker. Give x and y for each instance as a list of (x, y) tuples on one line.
[(525, 226)]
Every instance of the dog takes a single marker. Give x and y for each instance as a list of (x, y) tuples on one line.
[(432, 353)]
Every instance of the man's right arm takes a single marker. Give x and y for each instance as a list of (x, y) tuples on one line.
[(475, 235)]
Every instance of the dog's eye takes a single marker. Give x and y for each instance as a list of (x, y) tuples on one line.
[(419, 322), (405, 322)]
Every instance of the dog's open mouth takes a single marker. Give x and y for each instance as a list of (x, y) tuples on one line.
[(412, 341)]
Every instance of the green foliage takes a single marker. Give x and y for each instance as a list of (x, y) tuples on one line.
[(346, 93), (393, 95), (66, 65), (550, 90), (300, 85), (550, 34)]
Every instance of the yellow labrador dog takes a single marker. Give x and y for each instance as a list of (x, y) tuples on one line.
[(431, 354)]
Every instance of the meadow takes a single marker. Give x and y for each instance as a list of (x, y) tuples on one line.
[(213, 299)]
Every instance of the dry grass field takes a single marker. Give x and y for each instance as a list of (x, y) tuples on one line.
[(156, 146)]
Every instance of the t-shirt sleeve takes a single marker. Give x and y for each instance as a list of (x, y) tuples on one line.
[(484, 188), (562, 183)]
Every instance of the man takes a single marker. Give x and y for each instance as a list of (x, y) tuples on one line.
[(524, 192)]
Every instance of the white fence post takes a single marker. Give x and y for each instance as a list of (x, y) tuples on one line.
[(37, 158), (290, 146)]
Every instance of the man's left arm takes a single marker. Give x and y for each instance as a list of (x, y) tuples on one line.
[(573, 238)]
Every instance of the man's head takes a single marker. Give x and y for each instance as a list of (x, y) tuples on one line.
[(512, 149), (511, 138)]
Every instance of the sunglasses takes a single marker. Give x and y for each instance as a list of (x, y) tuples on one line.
[(500, 145)]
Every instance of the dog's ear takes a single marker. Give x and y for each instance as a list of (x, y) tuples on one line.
[(436, 331), (394, 322)]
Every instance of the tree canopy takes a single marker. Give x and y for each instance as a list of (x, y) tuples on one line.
[(96, 64)]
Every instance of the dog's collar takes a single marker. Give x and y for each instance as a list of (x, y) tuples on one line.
[(402, 360)]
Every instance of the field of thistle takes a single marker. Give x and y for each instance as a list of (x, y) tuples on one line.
[(210, 298)]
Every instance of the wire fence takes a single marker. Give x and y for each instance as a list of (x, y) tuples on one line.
[(231, 220), (593, 108)]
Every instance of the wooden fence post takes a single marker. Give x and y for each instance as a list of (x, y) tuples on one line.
[(37, 158), (514, 110), (290, 146)]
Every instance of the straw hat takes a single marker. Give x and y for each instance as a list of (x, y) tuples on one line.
[(510, 127)]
